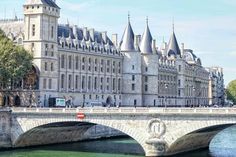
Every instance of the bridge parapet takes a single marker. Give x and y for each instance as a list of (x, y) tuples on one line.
[(127, 110)]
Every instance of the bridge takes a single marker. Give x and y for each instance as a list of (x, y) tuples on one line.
[(159, 131)]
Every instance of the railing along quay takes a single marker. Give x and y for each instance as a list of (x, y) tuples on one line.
[(127, 110)]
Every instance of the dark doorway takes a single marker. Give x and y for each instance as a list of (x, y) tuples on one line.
[(6, 100), (17, 101), (109, 101)]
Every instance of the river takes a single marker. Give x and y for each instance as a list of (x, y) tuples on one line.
[(223, 145)]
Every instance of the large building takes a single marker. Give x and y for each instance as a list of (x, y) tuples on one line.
[(85, 66), (216, 86)]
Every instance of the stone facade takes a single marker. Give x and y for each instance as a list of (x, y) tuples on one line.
[(85, 66)]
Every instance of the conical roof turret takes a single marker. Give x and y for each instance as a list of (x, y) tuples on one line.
[(146, 42), (127, 41), (173, 47)]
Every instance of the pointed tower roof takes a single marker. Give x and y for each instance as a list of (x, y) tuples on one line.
[(146, 42), (173, 47), (127, 41)]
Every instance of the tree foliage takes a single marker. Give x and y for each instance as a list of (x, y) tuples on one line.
[(15, 62), (231, 91)]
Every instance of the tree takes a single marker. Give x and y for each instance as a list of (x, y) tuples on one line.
[(15, 63), (231, 91)]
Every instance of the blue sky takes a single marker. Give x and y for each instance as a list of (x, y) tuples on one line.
[(208, 27)]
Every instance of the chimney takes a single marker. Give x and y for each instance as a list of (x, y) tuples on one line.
[(75, 31), (154, 48), (85, 33), (91, 33), (114, 39), (137, 40), (104, 36)]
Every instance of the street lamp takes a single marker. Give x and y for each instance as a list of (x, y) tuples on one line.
[(166, 87), (194, 96)]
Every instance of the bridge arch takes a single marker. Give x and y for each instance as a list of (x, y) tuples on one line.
[(38, 129), (200, 138)]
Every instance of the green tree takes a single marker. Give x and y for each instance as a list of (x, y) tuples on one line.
[(15, 63), (231, 91)]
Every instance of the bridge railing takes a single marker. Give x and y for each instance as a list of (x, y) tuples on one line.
[(126, 110)]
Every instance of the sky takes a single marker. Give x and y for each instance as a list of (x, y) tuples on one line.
[(208, 27)]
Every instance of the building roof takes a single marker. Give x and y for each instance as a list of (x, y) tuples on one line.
[(50, 3), (75, 32), (146, 42), (127, 41), (173, 47)]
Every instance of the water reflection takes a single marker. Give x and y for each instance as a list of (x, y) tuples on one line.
[(223, 145)]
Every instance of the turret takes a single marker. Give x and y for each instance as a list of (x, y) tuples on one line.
[(173, 47), (127, 41), (146, 42)]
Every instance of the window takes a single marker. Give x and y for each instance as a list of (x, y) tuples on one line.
[(146, 69), (114, 66), (62, 81), (70, 62), (179, 83), (133, 77), (83, 82), (52, 32), (52, 53), (52, 68), (101, 85), (46, 49), (89, 83), (33, 30), (46, 66), (70, 82), (114, 84), (95, 83), (50, 84), (132, 67), (179, 93), (76, 81), (179, 68), (62, 61), (108, 82), (76, 62), (133, 87), (135, 102), (119, 83), (146, 78), (146, 88), (44, 83), (108, 65)]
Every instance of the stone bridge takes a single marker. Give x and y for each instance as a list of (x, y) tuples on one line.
[(159, 131)]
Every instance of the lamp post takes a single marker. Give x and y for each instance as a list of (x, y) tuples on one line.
[(166, 87), (194, 96)]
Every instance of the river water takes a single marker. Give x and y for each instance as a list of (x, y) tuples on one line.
[(223, 145)]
